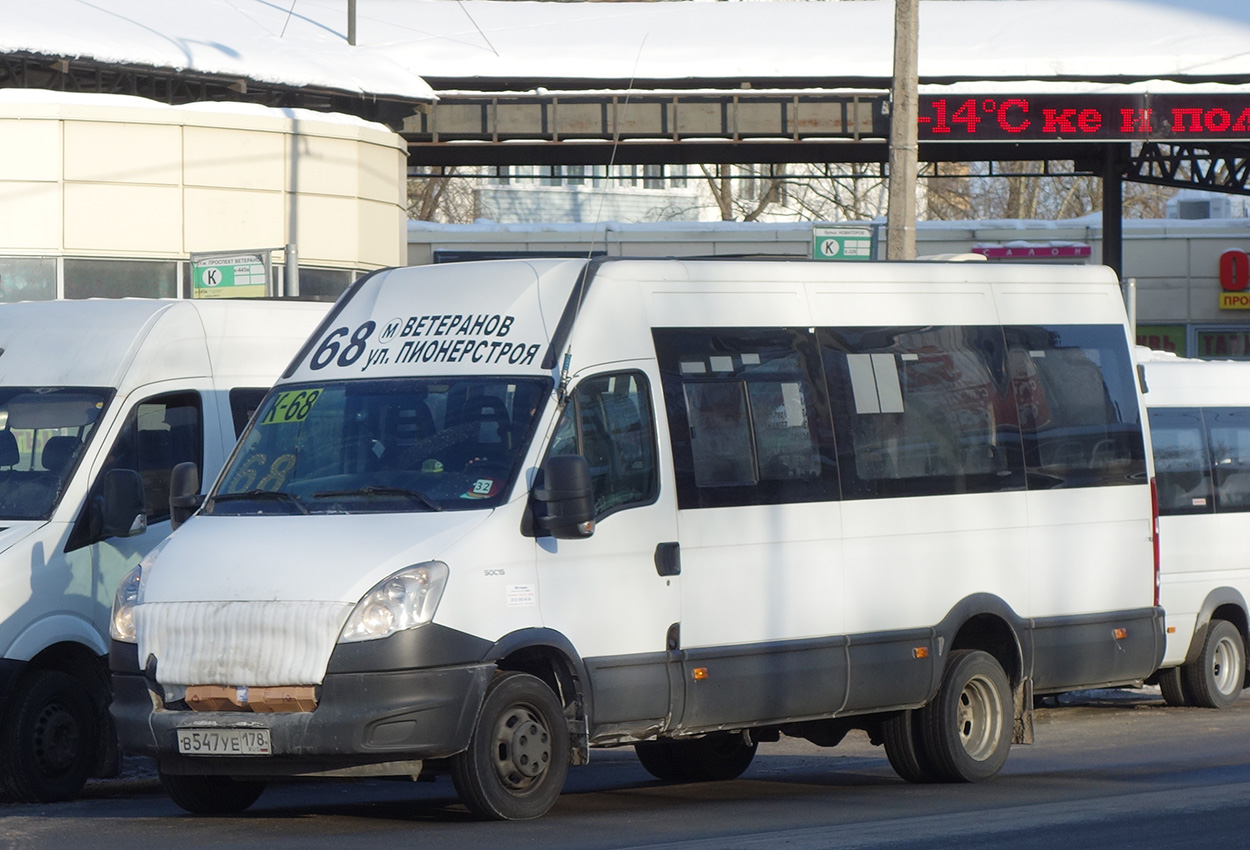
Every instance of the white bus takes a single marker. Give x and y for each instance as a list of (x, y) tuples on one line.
[(99, 400), (1200, 424), (495, 515)]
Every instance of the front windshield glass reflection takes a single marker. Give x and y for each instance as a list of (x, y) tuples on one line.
[(43, 432), (382, 446)]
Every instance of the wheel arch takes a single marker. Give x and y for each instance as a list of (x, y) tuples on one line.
[(986, 622), (551, 657)]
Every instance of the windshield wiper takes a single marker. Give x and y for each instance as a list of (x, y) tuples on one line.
[(380, 490), (261, 495)]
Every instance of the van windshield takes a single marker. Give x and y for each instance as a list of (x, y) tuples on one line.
[(413, 444), (43, 431)]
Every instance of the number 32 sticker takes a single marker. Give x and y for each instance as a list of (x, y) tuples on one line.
[(483, 488)]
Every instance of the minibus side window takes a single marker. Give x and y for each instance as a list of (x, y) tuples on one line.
[(1229, 434), (748, 417), (1182, 464), (608, 421), (1080, 419), (159, 433), (922, 411), (244, 401)]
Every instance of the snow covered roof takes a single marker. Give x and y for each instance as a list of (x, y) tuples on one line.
[(404, 42)]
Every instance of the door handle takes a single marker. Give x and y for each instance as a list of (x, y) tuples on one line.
[(668, 559)]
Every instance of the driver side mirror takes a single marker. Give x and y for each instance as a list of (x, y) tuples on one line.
[(124, 510), (564, 499), (184, 493)]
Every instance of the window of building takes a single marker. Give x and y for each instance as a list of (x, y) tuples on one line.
[(101, 278), (27, 279)]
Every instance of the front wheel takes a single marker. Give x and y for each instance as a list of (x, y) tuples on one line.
[(1216, 678), (966, 729), (211, 795), (518, 756), (50, 737)]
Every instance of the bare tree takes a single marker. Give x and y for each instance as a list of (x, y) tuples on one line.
[(442, 196)]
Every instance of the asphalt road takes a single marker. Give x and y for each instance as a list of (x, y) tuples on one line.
[(1109, 769)]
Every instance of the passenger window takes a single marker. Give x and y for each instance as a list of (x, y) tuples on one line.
[(748, 421), (608, 421), (1229, 435), (244, 401), (1076, 392), (1182, 465), (159, 433), (922, 411)]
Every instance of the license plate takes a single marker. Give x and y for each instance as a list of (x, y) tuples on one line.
[(224, 742)]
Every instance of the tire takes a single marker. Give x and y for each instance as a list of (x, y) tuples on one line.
[(50, 740), (1172, 686), (967, 727), (905, 747), (1216, 678), (518, 757), (712, 758), (211, 795)]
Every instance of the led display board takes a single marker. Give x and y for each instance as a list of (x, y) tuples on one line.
[(1077, 117)]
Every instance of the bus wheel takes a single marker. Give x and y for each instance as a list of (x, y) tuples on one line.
[(49, 738), (905, 748), (211, 795), (518, 756), (1217, 676), (967, 727), (1172, 686), (712, 758)]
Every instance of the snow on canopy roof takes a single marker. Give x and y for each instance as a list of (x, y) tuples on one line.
[(403, 41)]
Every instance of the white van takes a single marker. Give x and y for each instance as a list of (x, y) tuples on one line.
[(1200, 421), (99, 399), (496, 514)]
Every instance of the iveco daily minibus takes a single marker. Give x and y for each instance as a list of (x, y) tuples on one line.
[(1200, 424), (99, 399), (495, 515)]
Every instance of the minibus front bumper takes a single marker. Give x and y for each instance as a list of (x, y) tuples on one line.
[(363, 722)]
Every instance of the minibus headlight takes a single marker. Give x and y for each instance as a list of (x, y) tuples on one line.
[(403, 601), (122, 621)]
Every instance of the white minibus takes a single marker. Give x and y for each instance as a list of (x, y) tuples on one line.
[(1199, 415), (497, 514), (99, 400)]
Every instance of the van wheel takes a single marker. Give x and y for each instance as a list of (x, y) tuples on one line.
[(518, 756), (967, 727), (1216, 678), (712, 758), (211, 795), (905, 748), (49, 738), (1172, 685)]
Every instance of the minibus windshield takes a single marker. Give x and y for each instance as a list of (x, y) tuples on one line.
[(43, 431), (399, 445)]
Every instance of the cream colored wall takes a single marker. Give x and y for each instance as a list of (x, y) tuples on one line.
[(102, 176)]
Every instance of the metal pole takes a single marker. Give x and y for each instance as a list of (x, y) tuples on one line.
[(351, 22), (904, 145)]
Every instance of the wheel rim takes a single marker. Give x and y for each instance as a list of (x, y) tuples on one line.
[(522, 748), (979, 718), (57, 740), (1226, 667)]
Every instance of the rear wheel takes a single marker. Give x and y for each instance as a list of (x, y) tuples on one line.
[(211, 795), (966, 729), (518, 756), (1172, 686), (50, 738), (1218, 675), (905, 748), (712, 758)]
